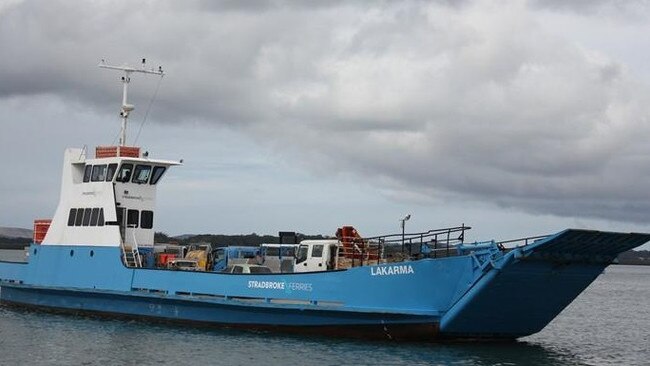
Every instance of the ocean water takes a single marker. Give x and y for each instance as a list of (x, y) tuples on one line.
[(609, 324)]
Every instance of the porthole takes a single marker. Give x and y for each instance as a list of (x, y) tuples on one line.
[(71, 253), (92, 253)]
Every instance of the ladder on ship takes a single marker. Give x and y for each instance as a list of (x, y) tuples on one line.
[(131, 254)]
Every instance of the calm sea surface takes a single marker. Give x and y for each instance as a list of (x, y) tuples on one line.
[(609, 324)]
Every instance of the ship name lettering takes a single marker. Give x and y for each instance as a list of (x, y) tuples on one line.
[(391, 270), (132, 197), (266, 284)]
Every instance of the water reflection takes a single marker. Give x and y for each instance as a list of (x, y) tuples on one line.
[(69, 339)]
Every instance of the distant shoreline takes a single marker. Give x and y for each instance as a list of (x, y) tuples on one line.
[(12, 246)]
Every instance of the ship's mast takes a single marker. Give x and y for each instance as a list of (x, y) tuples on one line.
[(126, 79)]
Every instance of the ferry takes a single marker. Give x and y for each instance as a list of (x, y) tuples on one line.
[(96, 255)]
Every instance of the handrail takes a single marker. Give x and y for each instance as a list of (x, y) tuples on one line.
[(135, 250), (383, 248), (135, 253), (525, 240), (424, 234)]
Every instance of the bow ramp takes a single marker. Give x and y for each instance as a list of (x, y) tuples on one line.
[(574, 245), (521, 292)]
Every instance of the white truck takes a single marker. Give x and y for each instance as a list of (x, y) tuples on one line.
[(317, 255)]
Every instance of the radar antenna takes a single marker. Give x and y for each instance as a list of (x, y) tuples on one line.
[(126, 79)]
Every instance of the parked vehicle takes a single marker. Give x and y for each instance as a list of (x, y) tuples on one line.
[(229, 256), (247, 268), (183, 265), (202, 254)]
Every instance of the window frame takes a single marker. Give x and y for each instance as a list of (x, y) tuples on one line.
[(97, 170), (302, 253), (132, 214), (124, 167), (155, 175), (139, 168), (79, 217), (317, 248), (87, 173), (148, 223), (72, 216), (86, 218), (100, 219), (110, 172), (94, 216)]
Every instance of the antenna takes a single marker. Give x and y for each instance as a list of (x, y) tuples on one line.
[(126, 79)]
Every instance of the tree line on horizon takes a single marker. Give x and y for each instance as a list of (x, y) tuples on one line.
[(633, 257), (220, 240)]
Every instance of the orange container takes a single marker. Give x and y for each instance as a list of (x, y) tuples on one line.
[(164, 258), (41, 226), (115, 151)]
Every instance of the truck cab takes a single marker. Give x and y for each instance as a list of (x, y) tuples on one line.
[(317, 255), (201, 254)]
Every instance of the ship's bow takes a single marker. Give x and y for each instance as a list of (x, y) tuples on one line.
[(520, 293)]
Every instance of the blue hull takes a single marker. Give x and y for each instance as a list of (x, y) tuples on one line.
[(482, 292), (220, 314)]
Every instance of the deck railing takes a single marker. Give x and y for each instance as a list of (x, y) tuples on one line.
[(521, 242), (360, 251)]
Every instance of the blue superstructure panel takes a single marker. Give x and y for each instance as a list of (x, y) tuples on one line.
[(75, 266), (12, 271)]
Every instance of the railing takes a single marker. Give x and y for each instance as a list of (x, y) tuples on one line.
[(136, 251), (525, 241), (359, 251), (133, 253)]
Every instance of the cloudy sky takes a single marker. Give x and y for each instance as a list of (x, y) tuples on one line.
[(515, 117)]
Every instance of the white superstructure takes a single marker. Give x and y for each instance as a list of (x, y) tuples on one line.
[(109, 199)]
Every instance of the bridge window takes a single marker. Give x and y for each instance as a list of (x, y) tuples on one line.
[(87, 171), (141, 174), (86, 220), (99, 173), (79, 217), (125, 173), (146, 219), (110, 172), (72, 216), (132, 217), (157, 173)]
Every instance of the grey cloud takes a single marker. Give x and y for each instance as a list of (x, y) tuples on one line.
[(591, 6), (466, 102)]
